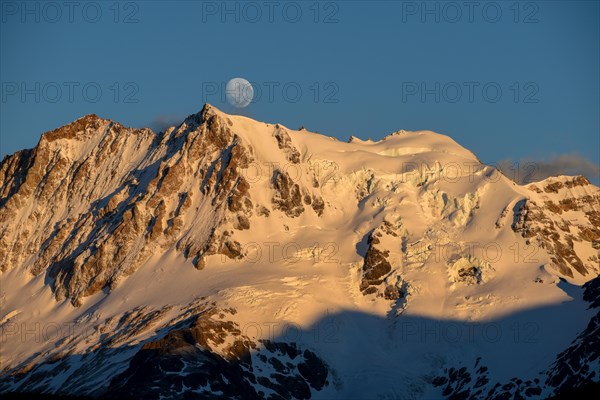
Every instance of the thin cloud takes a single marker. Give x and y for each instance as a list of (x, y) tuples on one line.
[(162, 122), (529, 170)]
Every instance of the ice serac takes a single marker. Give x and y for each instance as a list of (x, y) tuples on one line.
[(234, 258)]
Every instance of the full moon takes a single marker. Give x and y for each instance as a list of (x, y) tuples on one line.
[(239, 92)]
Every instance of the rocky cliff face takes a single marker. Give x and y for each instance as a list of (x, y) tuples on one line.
[(94, 199), (561, 216), (572, 367), (211, 357), (235, 258), (571, 370)]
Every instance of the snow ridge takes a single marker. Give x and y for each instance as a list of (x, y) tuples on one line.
[(297, 258)]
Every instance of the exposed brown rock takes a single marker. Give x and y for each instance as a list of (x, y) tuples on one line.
[(287, 197), (70, 131), (375, 269), (557, 238), (90, 251), (553, 187), (318, 205), (577, 181), (285, 143)]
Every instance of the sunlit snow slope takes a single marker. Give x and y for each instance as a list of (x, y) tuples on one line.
[(234, 258)]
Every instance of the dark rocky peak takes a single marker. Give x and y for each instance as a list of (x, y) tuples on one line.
[(214, 126), (208, 114), (13, 171), (90, 122), (207, 111)]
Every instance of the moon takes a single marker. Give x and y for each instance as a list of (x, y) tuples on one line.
[(239, 92)]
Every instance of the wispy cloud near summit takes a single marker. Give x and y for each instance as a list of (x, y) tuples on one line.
[(528, 170), (162, 122)]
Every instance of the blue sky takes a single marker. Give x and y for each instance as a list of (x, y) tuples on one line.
[(515, 80)]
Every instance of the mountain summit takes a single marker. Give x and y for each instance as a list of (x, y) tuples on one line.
[(233, 258)]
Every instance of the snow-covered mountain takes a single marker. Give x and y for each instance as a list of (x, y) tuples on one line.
[(233, 258)]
